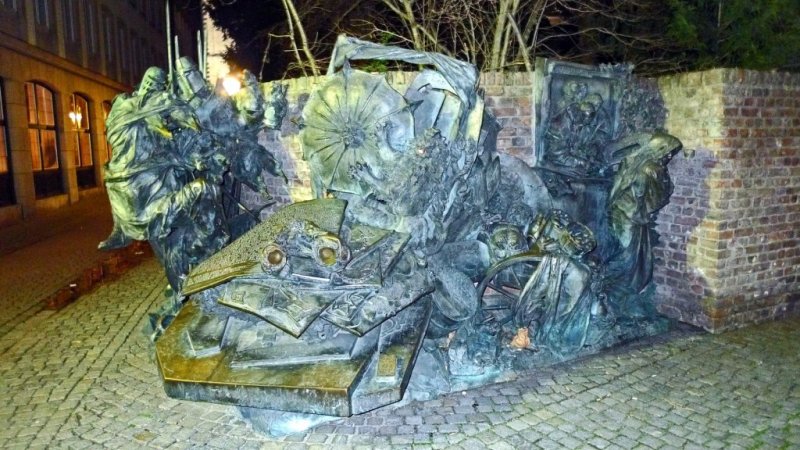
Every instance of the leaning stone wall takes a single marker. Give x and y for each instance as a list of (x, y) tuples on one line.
[(730, 246)]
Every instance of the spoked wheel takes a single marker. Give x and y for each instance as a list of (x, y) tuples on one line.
[(506, 280)]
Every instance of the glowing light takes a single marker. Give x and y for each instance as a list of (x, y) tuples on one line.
[(231, 84), (75, 117)]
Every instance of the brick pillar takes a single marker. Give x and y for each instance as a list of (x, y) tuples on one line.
[(729, 252)]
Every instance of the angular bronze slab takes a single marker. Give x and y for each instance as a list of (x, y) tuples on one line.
[(387, 376), (358, 313), (207, 335), (320, 387), (375, 252), (289, 308), (243, 255), (265, 345)]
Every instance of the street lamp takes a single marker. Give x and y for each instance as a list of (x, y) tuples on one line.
[(76, 117), (231, 84)]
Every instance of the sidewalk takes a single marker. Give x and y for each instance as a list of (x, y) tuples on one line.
[(41, 257)]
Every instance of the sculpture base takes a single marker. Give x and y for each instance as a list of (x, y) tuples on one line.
[(203, 358), (199, 360), (484, 354)]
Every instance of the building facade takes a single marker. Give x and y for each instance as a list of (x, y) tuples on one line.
[(62, 62)]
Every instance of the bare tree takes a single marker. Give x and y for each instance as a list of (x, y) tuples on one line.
[(296, 26), (507, 34), (480, 31), (288, 37), (492, 34)]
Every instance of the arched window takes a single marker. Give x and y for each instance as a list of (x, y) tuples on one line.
[(106, 112), (79, 119), (43, 140), (6, 181)]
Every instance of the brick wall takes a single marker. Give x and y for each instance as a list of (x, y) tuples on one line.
[(730, 247)]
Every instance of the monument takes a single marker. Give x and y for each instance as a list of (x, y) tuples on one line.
[(426, 263)]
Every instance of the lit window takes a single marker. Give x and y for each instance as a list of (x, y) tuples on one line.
[(79, 119), (4, 166), (42, 127), (43, 138)]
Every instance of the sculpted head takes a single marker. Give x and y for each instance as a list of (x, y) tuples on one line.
[(664, 146), (153, 80), (249, 101), (191, 83)]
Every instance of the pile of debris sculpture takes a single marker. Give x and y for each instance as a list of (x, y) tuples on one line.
[(180, 154), (427, 261)]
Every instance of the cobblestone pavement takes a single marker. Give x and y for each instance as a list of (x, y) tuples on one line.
[(44, 254), (84, 377)]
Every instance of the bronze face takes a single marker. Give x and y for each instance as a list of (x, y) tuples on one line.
[(327, 256)]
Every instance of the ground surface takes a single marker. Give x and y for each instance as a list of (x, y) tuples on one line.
[(84, 377), (42, 255)]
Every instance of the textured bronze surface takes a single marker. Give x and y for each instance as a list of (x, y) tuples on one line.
[(319, 388), (328, 387), (243, 256)]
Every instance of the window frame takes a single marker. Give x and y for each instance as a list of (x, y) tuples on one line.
[(10, 5), (4, 154), (48, 181), (82, 115), (106, 107), (70, 13), (40, 127), (7, 194), (90, 17), (41, 13), (110, 42)]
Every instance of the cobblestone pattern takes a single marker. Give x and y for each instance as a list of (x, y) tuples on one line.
[(69, 245), (507, 96), (85, 378), (731, 234)]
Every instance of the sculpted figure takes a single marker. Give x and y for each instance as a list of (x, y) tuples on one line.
[(641, 188), (151, 185), (555, 305), (247, 157), (579, 131), (179, 156), (231, 125)]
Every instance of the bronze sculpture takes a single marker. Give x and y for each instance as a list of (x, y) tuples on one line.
[(426, 260), (179, 155)]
